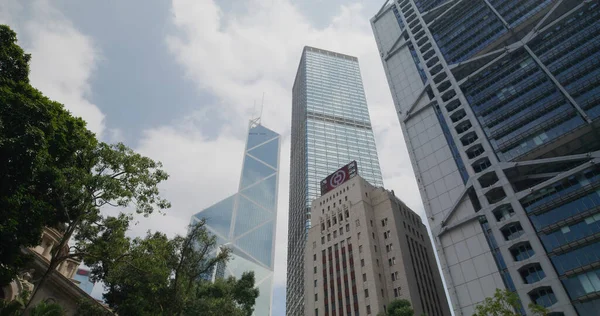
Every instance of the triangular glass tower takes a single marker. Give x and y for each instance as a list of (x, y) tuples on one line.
[(246, 220)]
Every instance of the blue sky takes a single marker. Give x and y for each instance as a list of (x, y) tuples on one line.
[(177, 80)]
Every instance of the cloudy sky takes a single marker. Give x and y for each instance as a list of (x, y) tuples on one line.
[(177, 80)]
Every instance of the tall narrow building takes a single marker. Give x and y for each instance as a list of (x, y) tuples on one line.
[(499, 103), (330, 127), (245, 221), (365, 249)]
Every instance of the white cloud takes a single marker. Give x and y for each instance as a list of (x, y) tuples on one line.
[(63, 59)]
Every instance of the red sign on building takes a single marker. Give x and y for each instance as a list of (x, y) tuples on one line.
[(337, 178)]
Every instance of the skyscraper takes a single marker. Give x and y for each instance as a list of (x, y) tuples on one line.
[(246, 220), (83, 277), (330, 128), (499, 103), (365, 249)]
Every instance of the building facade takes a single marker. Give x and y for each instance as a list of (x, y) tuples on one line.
[(83, 277), (245, 221), (330, 127), (499, 104), (366, 248)]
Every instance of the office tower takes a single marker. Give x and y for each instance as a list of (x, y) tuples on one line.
[(365, 249), (330, 127), (83, 277), (245, 221), (499, 105)]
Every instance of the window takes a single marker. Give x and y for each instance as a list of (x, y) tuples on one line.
[(345, 198), (521, 251), (358, 235), (316, 312), (360, 249), (315, 283), (512, 231), (315, 257), (532, 273), (373, 234), (390, 262), (393, 277), (316, 297), (368, 309), (393, 260), (384, 222), (314, 244), (362, 262), (382, 295), (322, 240), (377, 261), (364, 277), (583, 284), (340, 217), (371, 223), (322, 226), (543, 296), (315, 269), (347, 214), (375, 248), (366, 293), (395, 292), (347, 227), (335, 234), (328, 237), (328, 223)]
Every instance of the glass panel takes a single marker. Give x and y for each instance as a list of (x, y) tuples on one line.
[(258, 135), (268, 153), (263, 193), (259, 242), (254, 171), (249, 215), (218, 216)]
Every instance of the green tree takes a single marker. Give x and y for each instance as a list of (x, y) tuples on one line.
[(39, 141), (156, 275), (47, 309), (225, 297), (87, 307), (399, 307), (55, 173), (505, 303)]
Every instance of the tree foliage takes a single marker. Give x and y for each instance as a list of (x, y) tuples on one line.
[(55, 173), (173, 273), (40, 142), (399, 307), (505, 303)]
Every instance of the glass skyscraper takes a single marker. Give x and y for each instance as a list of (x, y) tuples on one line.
[(499, 102), (330, 128), (245, 221)]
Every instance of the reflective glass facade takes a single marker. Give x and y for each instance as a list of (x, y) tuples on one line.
[(514, 87), (245, 221), (330, 128), (83, 276)]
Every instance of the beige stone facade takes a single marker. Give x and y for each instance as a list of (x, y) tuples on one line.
[(60, 287), (365, 249)]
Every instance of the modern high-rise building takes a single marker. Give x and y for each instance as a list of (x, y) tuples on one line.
[(330, 127), (83, 277), (245, 221), (365, 249), (499, 103)]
